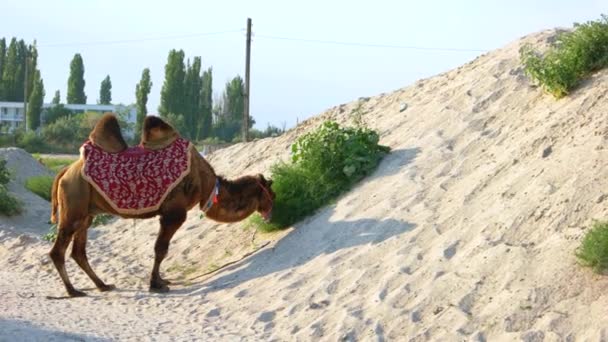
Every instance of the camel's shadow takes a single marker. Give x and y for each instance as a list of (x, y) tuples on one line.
[(317, 237)]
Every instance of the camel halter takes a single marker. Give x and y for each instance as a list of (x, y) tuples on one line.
[(213, 197), (266, 213)]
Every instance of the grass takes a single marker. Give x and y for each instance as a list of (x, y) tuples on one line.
[(54, 164), (593, 251), (40, 185), (325, 163), (574, 56)]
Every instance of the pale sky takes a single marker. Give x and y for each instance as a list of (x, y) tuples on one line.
[(291, 79)]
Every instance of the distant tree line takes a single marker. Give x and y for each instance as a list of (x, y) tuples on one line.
[(19, 75), (187, 98)]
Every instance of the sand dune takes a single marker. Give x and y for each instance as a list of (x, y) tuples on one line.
[(466, 231)]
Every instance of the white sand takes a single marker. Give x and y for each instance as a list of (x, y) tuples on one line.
[(465, 232)]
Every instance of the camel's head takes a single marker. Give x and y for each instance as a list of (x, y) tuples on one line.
[(266, 197)]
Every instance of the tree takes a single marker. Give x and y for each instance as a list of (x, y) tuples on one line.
[(76, 81), (2, 62), (31, 59), (56, 98), (172, 92), (54, 113), (34, 106), (192, 99), (10, 72), (206, 105), (105, 91), (142, 90), (230, 119)]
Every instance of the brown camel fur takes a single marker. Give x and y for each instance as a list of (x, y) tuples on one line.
[(75, 202)]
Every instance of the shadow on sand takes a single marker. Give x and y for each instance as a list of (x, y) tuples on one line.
[(318, 237), (17, 330)]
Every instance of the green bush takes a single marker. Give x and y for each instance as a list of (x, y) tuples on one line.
[(325, 163), (575, 55), (40, 185), (593, 251), (32, 142), (9, 205)]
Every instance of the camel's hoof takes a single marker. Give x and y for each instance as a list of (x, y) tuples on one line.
[(76, 293), (165, 282), (159, 288), (108, 287)]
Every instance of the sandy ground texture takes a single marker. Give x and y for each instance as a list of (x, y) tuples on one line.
[(466, 232)]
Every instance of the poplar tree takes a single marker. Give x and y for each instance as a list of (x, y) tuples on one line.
[(76, 81), (192, 97), (142, 90), (34, 106), (10, 72), (206, 105), (172, 92), (56, 98), (105, 91)]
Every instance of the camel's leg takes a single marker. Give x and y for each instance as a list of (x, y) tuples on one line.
[(169, 223), (79, 254), (65, 232)]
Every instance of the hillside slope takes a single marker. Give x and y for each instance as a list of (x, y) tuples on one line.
[(466, 231)]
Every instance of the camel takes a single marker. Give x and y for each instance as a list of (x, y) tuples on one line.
[(75, 201)]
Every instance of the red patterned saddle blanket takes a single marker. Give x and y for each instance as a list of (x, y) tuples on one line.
[(137, 180)]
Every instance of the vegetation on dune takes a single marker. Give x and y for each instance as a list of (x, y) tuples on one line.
[(324, 164), (574, 56), (9, 205), (593, 251), (40, 185)]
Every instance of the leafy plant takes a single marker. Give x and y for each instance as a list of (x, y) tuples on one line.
[(593, 251), (325, 163), (9, 204), (51, 236), (574, 56), (98, 220), (101, 219), (40, 185)]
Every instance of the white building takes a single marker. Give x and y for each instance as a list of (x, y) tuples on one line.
[(12, 114)]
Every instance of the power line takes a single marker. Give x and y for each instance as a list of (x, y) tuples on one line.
[(390, 46), (137, 40)]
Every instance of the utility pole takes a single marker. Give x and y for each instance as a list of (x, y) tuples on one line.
[(25, 94), (246, 102)]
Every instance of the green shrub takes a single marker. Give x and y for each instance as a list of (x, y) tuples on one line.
[(575, 55), (325, 163), (31, 142), (5, 175), (40, 185), (9, 205), (593, 251)]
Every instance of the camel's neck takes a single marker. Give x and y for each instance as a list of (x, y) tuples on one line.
[(236, 201)]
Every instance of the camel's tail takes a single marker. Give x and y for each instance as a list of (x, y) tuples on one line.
[(54, 201)]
